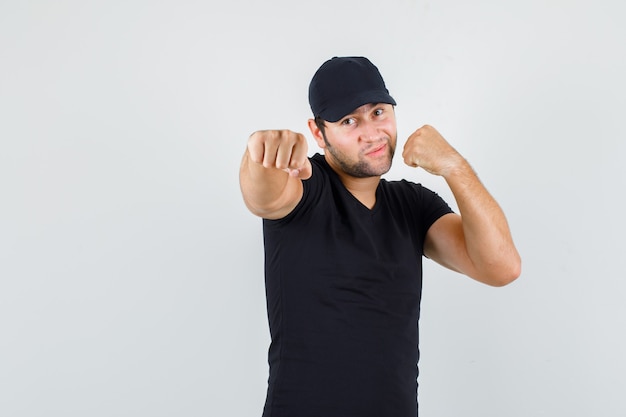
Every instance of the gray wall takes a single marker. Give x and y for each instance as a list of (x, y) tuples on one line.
[(131, 277)]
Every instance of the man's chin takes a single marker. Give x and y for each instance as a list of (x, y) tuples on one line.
[(382, 166), (372, 170)]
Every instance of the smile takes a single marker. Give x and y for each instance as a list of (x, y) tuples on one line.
[(377, 150)]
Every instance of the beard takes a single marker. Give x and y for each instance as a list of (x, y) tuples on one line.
[(362, 168)]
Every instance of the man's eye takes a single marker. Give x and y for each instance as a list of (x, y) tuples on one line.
[(378, 112), (346, 122)]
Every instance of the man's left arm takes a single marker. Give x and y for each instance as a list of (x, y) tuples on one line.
[(478, 242)]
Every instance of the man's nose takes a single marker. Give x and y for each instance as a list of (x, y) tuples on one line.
[(369, 131)]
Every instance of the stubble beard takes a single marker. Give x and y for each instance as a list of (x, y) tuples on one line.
[(362, 168)]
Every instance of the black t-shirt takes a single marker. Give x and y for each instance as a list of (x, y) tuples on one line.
[(343, 286)]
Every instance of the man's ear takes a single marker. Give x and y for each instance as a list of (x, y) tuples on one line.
[(317, 134)]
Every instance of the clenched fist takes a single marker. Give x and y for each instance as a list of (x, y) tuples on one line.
[(426, 148), (281, 149)]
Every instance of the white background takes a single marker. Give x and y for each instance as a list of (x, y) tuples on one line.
[(131, 279)]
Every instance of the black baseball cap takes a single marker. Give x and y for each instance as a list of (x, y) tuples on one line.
[(342, 84)]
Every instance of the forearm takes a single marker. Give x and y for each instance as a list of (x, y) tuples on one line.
[(486, 232)]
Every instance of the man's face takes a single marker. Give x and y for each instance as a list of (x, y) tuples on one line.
[(362, 143)]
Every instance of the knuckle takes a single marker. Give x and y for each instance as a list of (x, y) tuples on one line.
[(253, 138)]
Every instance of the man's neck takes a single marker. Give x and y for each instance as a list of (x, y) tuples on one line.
[(363, 189)]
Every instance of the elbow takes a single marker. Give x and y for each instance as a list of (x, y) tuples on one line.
[(503, 280), (506, 274)]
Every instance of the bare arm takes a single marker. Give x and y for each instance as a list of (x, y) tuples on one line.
[(477, 243), (272, 170)]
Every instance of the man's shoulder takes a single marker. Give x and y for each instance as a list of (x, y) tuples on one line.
[(401, 185), (403, 191), (318, 160)]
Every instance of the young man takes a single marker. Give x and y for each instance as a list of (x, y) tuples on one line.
[(343, 247)]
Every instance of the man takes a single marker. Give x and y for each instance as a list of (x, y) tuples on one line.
[(343, 247)]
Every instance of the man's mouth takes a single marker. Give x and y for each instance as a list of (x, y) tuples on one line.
[(377, 150)]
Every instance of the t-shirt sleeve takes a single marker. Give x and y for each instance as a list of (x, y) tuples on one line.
[(434, 208), (427, 208)]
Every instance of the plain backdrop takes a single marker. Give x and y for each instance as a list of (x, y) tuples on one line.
[(131, 274)]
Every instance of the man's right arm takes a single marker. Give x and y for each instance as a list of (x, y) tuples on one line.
[(272, 170)]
